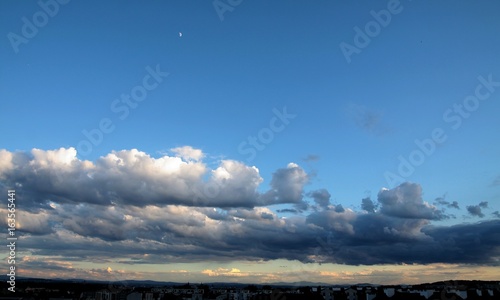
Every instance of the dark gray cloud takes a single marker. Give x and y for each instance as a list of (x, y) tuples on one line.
[(302, 206), (468, 243), (189, 234), (267, 216), (368, 205), (475, 210), (321, 197), (288, 210), (339, 208), (379, 239), (442, 201)]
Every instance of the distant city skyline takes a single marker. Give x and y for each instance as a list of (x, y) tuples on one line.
[(249, 141), (131, 290)]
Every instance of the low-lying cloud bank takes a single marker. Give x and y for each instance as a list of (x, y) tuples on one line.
[(136, 208)]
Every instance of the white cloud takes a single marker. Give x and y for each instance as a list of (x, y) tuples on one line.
[(6, 163), (188, 153)]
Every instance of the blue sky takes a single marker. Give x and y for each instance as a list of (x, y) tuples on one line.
[(354, 117)]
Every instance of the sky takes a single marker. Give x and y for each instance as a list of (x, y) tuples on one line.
[(252, 141)]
